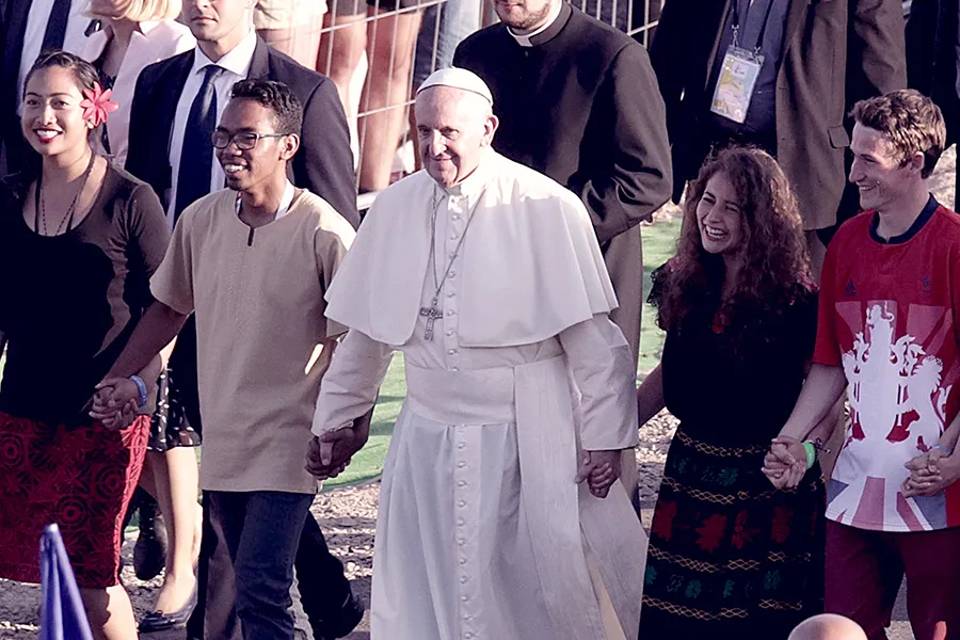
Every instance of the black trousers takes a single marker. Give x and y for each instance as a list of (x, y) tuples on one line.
[(323, 587)]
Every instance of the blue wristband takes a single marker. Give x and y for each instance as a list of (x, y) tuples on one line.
[(141, 390)]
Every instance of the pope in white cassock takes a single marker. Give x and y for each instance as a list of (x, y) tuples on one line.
[(500, 516)]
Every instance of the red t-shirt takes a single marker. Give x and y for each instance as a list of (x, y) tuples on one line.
[(887, 315)]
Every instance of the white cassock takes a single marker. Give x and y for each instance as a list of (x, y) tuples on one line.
[(482, 532)]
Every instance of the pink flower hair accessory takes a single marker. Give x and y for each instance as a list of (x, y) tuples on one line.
[(97, 105)]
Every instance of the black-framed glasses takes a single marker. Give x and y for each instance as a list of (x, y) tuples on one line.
[(245, 140)]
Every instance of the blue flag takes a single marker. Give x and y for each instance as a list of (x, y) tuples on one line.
[(61, 611)]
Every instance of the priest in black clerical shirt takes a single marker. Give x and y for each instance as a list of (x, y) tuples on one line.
[(578, 101)]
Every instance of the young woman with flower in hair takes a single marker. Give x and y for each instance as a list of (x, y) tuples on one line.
[(79, 239), (729, 556)]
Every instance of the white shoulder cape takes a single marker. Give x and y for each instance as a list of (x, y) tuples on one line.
[(531, 265)]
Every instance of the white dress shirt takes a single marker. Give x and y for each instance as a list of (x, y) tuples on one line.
[(154, 41), (236, 66), (37, 19)]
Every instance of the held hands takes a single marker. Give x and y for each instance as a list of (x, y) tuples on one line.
[(930, 473), (786, 462), (115, 403), (600, 469), (329, 454)]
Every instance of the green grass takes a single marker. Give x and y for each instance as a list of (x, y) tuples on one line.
[(659, 242)]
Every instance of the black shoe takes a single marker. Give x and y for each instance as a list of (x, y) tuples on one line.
[(351, 613), (150, 551), (160, 621)]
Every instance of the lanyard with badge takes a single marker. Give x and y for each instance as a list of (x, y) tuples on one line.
[(739, 70)]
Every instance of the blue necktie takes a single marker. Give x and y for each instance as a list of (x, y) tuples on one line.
[(196, 157), (56, 30)]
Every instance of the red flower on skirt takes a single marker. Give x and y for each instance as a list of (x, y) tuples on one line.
[(711, 533)]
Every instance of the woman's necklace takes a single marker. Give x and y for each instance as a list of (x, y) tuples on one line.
[(40, 209)]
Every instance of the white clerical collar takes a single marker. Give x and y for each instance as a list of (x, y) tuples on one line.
[(236, 61), (524, 39)]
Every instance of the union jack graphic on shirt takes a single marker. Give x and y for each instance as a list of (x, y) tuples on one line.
[(897, 392)]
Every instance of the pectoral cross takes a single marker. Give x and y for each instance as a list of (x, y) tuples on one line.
[(432, 314)]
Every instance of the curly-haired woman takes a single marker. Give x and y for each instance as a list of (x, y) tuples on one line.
[(729, 556), (78, 242)]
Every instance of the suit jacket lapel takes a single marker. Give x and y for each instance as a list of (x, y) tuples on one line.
[(165, 111), (260, 64), (715, 50), (798, 9), (14, 29)]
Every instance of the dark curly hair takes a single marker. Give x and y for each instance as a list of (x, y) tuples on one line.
[(776, 267), (276, 96)]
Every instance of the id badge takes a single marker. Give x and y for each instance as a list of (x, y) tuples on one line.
[(738, 77)]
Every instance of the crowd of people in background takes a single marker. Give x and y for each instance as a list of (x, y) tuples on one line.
[(183, 264)]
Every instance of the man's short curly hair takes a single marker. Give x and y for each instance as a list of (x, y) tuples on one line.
[(910, 121), (276, 96)]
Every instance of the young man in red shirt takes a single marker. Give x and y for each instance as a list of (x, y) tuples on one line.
[(888, 333)]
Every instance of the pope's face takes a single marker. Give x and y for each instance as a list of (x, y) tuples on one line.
[(453, 129), (523, 15)]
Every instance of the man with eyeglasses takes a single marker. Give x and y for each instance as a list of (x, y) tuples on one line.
[(252, 263)]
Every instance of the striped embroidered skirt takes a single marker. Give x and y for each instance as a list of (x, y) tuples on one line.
[(730, 556)]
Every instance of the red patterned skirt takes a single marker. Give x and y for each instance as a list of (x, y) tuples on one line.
[(81, 478)]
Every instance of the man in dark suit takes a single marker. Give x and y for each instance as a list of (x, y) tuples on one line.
[(26, 28), (176, 106), (818, 58), (324, 164), (933, 56)]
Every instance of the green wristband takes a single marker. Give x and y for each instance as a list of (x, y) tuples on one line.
[(811, 453)]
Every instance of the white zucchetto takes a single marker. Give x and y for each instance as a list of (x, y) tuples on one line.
[(459, 79)]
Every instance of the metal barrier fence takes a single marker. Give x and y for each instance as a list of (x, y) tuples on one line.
[(378, 53)]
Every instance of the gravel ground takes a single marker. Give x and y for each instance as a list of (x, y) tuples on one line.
[(348, 517)]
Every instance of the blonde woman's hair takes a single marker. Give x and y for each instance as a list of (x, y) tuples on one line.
[(150, 10)]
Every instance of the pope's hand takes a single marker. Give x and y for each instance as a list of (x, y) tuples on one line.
[(329, 454), (600, 469)]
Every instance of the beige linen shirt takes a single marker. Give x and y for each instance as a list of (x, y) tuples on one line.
[(258, 298)]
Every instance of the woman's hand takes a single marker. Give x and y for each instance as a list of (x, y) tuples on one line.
[(786, 462), (115, 403)]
